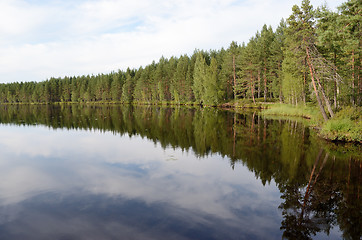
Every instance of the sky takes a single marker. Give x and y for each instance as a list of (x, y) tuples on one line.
[(40, 39)]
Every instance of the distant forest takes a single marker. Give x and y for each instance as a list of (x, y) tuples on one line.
[(313, 56)]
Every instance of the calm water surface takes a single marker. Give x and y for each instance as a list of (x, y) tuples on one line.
[(111, 172)]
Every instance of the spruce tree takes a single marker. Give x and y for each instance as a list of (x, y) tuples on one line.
[(212, 89), (199, 77)]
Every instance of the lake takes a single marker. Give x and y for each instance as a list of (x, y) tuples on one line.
[(123, 172)]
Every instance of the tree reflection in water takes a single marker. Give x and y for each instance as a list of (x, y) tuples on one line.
[(319, 184)]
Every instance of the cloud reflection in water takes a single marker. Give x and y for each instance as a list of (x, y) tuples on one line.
[(93, 185)]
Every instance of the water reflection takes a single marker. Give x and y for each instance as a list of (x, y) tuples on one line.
[(91, 180), (161, 173)]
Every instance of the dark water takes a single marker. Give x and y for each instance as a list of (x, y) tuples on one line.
[(118, 172)]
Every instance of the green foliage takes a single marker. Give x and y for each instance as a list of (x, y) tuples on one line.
[(213, 89), (199, 77), (299, 35), (345, 126)]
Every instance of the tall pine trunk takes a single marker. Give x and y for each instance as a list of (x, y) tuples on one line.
[(326, 101), (304, 82), (259, 83), (321, 108), (252, 85), (359, 95), (353, 79), (325, 98), (234, 76), (265, 81), (335, 90)]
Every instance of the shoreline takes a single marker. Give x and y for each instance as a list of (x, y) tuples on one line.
[(325, 130)]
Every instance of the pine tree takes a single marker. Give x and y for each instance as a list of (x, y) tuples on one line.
[(128, 86), (213, 92), (266, 39), (301, 35), (349, 23), (276, 60), (199, 77), (179, 85), (160, 79), (116, 87), (76, 89), (250, 72), (330, 44), (230, 68)]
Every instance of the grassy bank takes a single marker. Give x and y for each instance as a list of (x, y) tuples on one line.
[(345, 126), (308, 112), (248, 103)]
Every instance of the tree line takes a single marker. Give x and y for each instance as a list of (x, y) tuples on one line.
[(313, 56)]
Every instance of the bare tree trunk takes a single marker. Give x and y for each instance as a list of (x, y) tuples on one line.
[(304, 82), (252, 88), (324, 95), (265, 81), (234, 76), (335, 92), (335, 95), (325, 98), (315, 87), (359, 96), (353, 78), (259, 84), (280, 84)]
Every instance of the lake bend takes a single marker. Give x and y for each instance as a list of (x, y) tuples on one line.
[(141, 172)]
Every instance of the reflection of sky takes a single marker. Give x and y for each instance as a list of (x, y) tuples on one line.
[(75, 181)]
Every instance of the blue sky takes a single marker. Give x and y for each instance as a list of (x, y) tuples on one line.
[(40, 39)]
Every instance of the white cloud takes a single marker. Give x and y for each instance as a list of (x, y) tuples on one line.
[(58, 38), (17, 20)]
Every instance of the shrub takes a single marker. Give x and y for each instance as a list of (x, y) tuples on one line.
[(345, 126)]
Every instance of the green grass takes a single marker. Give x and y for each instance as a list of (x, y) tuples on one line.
[(309, 112), (248, 103), (345, 126)]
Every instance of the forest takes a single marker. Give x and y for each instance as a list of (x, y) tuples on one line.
[(313, 56)]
